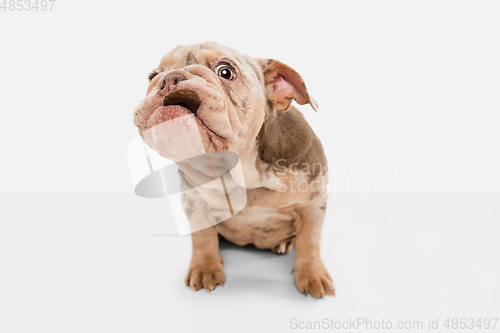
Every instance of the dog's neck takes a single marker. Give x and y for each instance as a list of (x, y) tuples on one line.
[(285, 140)]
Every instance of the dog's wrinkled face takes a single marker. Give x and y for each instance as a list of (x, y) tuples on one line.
[(208, 97), (221, 89)]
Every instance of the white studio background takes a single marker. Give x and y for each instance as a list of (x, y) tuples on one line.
[(412, 86), (397, 82)]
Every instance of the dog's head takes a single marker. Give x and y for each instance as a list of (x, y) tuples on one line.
[(228, 96)]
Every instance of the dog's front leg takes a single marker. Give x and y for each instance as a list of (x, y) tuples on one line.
[(205, 269), (311, 275)]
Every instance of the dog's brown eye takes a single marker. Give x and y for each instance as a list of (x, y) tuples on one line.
[(225, 72)]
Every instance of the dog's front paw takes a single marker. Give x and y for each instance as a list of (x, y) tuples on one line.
[(284, 247), (206, 273), (312, 277)]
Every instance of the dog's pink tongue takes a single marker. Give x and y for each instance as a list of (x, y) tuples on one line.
[(169, 112)]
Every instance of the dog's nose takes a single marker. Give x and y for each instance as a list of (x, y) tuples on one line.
[(169, 82)]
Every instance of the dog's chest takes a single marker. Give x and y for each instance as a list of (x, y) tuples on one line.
[(265, 227)]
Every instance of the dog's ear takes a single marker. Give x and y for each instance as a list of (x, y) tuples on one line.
[(283, 84)]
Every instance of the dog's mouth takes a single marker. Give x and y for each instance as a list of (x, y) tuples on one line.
[(185, 98), (181, 103)]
